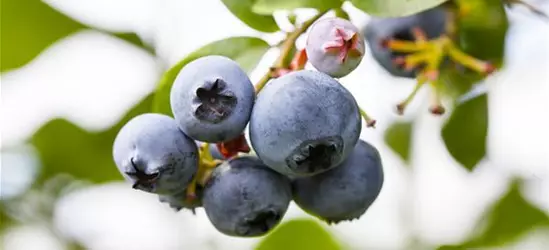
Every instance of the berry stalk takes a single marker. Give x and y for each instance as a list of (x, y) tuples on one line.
[(429, 55), (369, 121), (206, 163), (286, 49), (528, 6)]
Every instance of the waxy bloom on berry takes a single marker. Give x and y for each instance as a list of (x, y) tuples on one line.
[(335, 46)]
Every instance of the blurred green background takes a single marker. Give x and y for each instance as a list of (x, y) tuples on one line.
[(73, 72)]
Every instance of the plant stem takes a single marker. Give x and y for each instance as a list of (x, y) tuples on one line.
[(451, 22), (369, 121), (528, 6), (261, 83), (287, 46)]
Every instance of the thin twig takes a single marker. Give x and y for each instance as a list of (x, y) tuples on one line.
[(287, 46)]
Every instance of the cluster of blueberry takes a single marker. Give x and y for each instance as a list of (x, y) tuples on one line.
[(303, 127)]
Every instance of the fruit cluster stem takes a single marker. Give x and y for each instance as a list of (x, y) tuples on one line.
[(369, 121), (286, 49), (528, 6), (430, 53), (206, 163)]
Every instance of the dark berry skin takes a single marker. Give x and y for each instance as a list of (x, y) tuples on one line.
[(178, 201), (153, 154), (304, 123), (212, 98), (432, 22), (245, 198), (345, 192)]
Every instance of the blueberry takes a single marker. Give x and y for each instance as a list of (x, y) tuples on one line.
[(334, 46), (432, 22), (304, 123), (178, 201), (345, 192), (154, 155), (245, 198), (212, 99)]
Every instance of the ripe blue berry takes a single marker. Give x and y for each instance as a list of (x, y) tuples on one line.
[(178, 201), (335, 46), (245, 198), (154, 155), (432, 22), (345, 192), (304, 123), (212, 99)]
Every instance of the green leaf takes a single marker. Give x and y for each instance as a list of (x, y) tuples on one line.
[(502, 222), (506, 221), (30, 26), (456, 82), (66, 148), (5, 218), (465, 131), (482, 29), (341, 13), (399, 138), (246, 51), (292, 18), (395, 8), (242, 10), (270, 6), (132, 38), (299, 234)]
